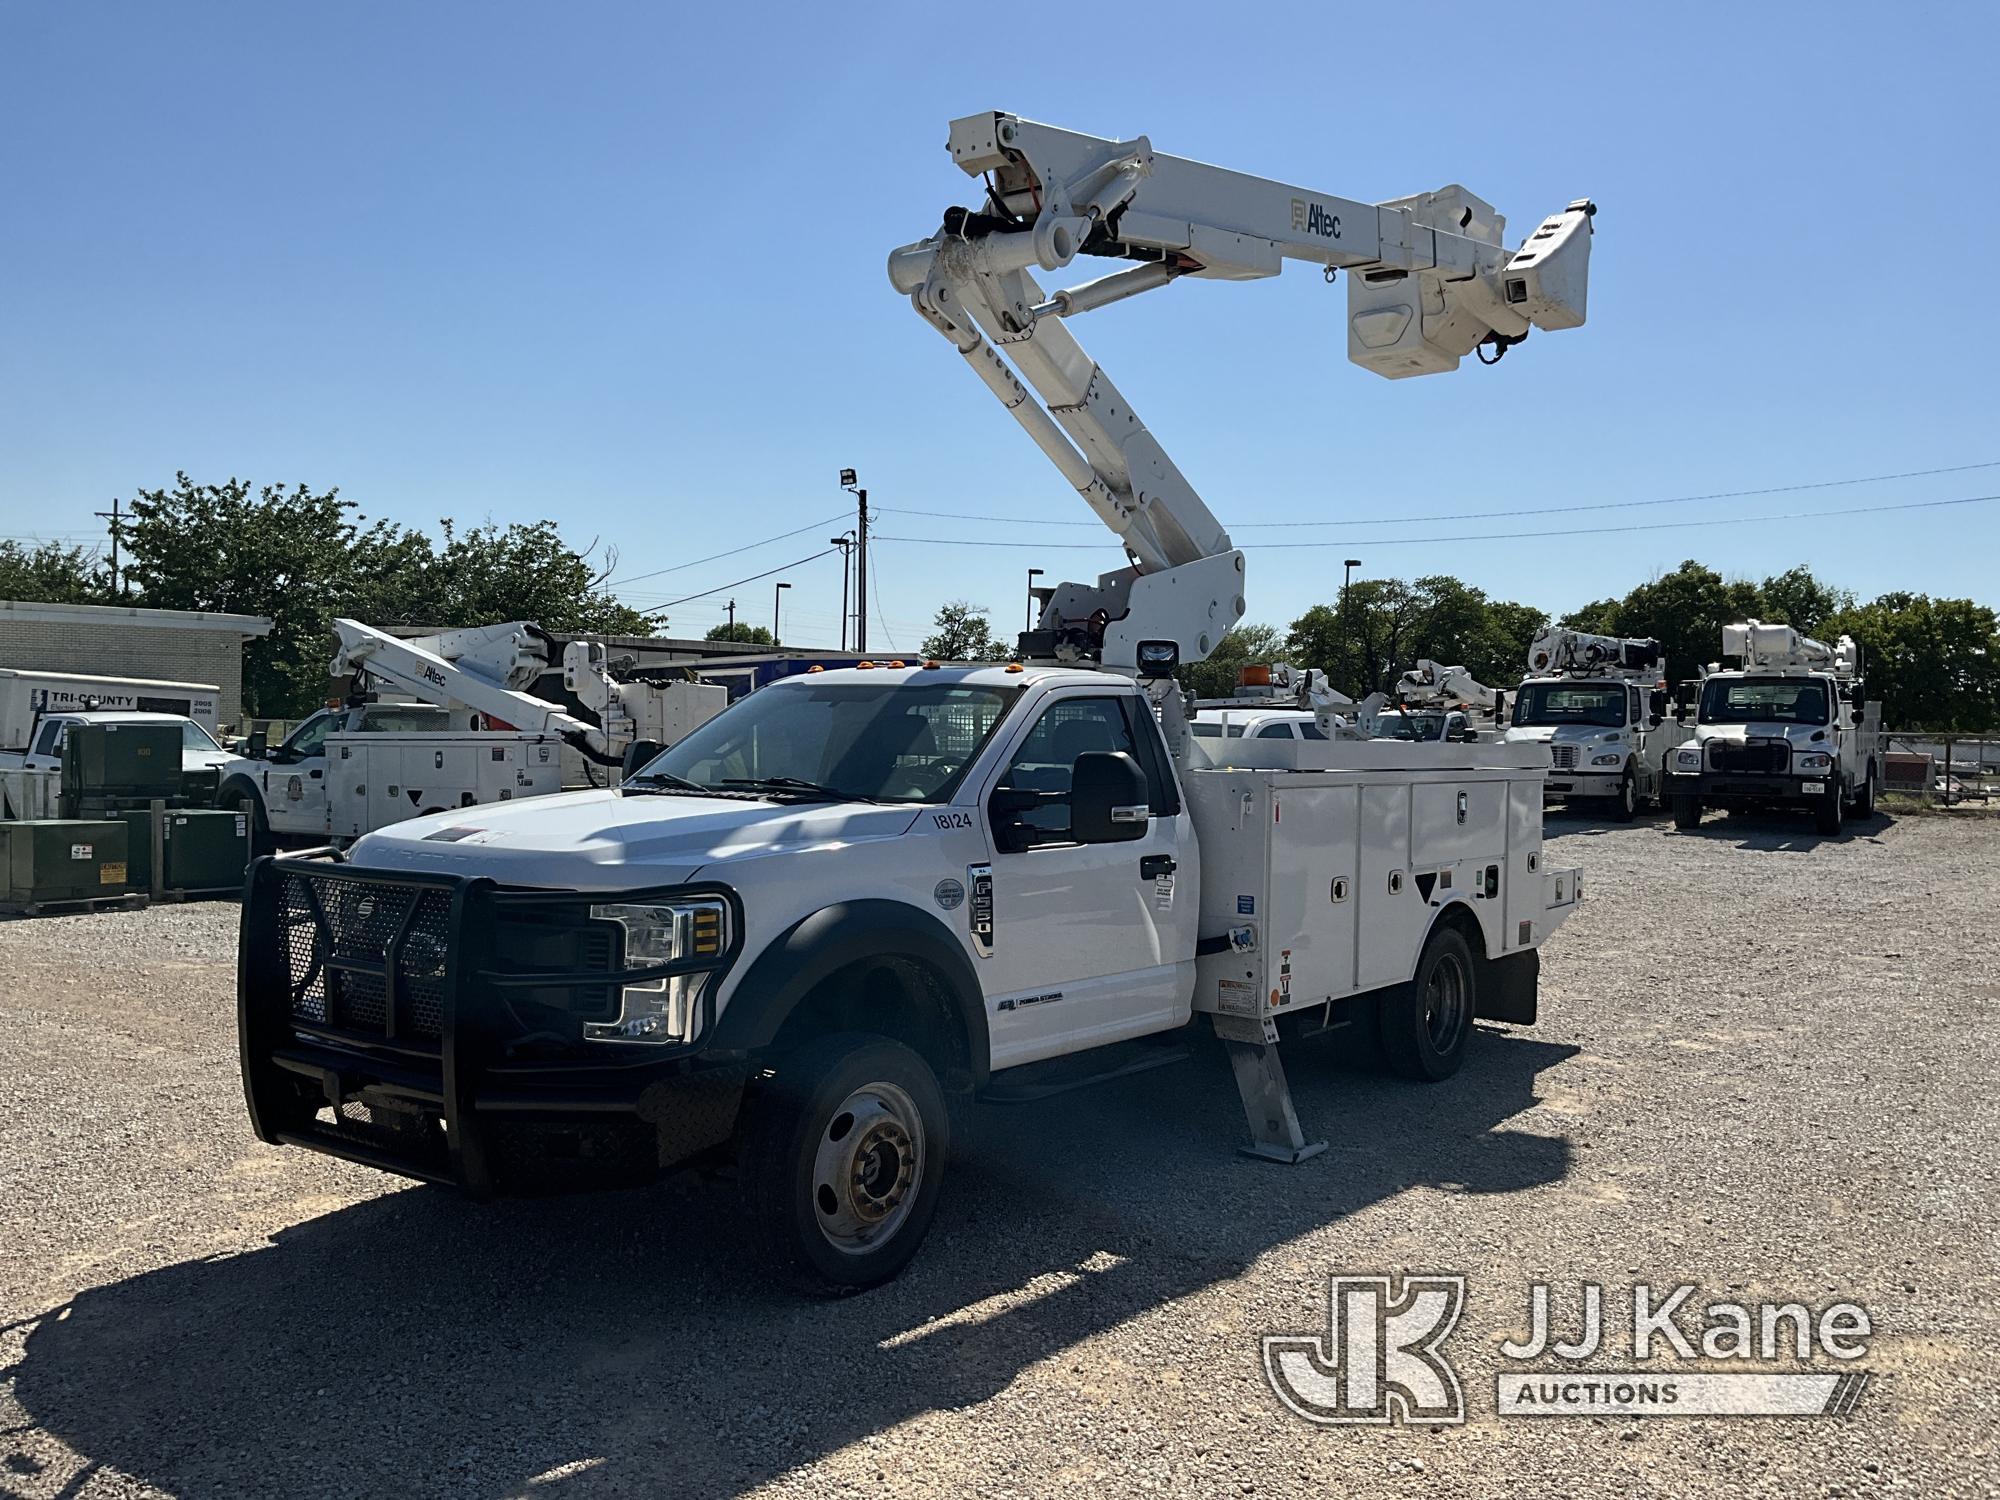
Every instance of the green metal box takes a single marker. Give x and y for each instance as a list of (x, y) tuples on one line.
[(122, 760), (61, 859), (200, 850)]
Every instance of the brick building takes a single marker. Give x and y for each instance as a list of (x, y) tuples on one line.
[(108, 640)]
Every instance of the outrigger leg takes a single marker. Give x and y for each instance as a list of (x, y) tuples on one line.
[(1267, 1098)]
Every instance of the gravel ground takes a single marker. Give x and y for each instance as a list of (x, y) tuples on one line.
[(1765, 1068)]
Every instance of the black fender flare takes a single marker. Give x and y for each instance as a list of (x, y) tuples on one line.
[(841, 936)]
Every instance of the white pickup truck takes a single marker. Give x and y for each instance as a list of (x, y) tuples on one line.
[(855, 898)]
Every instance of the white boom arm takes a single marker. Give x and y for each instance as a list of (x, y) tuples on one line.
[(1432, 686), (1778, 648), (1578, 653), (482, 670), (1430, 282)]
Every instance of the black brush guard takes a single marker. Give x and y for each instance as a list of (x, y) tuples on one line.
[(378, 1022)]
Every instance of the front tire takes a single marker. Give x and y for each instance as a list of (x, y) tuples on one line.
[(1864, 801), (238, 799), (1828, 812), (1426, 1025), (841, 1160), (1687, 812), (1625, 806)]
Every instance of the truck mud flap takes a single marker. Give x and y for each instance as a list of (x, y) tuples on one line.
[(1508, 989)]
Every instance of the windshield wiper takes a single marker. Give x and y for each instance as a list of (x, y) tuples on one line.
[(668, 781), (796, 786)]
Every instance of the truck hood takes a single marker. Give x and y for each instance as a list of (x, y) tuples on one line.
[(1798, 734), (1562, 734), (609, 841)]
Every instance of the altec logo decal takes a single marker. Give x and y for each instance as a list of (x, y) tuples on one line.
[(1310, 218)]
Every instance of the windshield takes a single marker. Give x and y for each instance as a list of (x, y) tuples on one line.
[(897, 742), (1599, 703), (1763, 700), (194, 737)]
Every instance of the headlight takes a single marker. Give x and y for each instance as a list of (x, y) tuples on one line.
[(1812, 760), (1688, 758), (677, 933), (1606, 760)]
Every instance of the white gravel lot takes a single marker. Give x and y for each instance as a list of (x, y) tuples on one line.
[(1765, 1066)]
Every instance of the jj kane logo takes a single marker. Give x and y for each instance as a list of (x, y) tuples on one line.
[(1310, 218), (1381, 1361)]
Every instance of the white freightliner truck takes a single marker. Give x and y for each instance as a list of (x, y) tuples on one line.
[(1791, 726), (1599, 703), (858, 897), (348, 771)]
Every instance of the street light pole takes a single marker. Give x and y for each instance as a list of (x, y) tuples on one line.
[(1347, 582), (1033, 574), (850, 482), (777, 602)]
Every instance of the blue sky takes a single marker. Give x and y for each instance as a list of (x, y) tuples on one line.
[(623, 266)]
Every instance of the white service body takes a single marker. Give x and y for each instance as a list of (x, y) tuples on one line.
[(373, 780)]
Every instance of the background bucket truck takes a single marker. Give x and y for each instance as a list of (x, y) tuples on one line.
[(860, 894), (1791, 726), (1599, 703)]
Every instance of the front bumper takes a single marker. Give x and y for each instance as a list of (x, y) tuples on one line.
[(1748, 786), (379, 1019), (1591, 783)]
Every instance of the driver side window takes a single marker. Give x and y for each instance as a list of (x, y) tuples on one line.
[(310, 737), (50, 740), (1046, 759)]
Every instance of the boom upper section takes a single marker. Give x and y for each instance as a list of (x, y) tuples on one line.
[(1430, 281)]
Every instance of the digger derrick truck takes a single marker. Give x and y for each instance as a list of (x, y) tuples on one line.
[(1599, 703), (1790, 726), (861, 897)]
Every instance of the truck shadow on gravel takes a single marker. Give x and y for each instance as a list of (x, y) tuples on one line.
[(415, 1343), (1779, 833)]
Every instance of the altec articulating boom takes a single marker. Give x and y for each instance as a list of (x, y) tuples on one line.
[(855, 895)]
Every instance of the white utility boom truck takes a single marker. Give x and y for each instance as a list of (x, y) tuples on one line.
[(858, 895), (348, 771), (1791, 726), (1599, 703), (1435, 703)]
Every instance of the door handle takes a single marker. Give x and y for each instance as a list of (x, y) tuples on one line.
[(1153, 866), (316, 775)]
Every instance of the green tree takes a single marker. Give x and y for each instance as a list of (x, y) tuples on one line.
[(1934, 664), (1797, 598), (961, 632), (50, 573), (1242, 646), (1387, 626), (756, 635)]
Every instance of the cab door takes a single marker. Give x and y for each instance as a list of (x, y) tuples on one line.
[(295, 779), (1090, 943)]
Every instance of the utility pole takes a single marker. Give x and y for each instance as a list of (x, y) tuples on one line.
[(116, 517), (732, 619), (777, 603), (849, 482), (1033, 574), (1347, 582), (844, 541)]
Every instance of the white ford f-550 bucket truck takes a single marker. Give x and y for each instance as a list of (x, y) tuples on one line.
[(857, 897), (1792, 726), (1599, 703)]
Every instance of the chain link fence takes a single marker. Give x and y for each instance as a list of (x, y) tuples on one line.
[(1943, 770)]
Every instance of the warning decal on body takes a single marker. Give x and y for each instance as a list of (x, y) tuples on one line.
[(1236, 997)]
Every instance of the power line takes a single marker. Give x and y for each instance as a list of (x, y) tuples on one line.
[(720, 587), (1479, 536), (716, 556), (1488, 515)]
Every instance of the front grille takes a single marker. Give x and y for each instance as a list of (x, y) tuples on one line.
[(1563, 757), (1751, 757), (338, 935)]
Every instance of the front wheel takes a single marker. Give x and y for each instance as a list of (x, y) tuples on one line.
[(1626, 804), (1864, 800), (841, 1160), (248, 804), (1687, 812), (1426, 1025), (1827, 813)]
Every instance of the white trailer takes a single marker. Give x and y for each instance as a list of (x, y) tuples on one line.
[(27, 696)]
